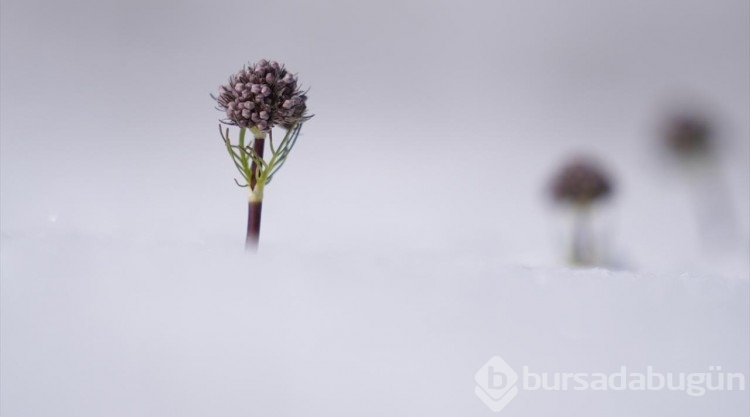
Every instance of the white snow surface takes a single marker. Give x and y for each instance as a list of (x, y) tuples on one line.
[(97, 326)]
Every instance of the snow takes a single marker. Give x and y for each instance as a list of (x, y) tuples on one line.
[(106, 326)]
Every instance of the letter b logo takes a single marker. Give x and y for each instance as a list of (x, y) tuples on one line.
[(496, 382)]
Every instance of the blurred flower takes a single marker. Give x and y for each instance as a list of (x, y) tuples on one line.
[(688, 135), (262, 95), (581, 181)]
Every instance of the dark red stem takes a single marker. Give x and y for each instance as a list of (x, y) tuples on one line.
[(254, 207)]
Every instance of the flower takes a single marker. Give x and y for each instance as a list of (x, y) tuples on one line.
[(581, 181), (262, 95), (688, 135)]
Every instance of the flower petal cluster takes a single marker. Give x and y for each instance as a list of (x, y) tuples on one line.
[(581, 181), (689, 135), (262, 95)]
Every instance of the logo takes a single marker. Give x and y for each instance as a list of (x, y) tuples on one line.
[(496, 383)]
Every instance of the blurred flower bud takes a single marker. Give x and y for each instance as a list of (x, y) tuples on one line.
[(581, 181), (688, 135)]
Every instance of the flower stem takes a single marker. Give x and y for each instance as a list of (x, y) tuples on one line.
[(253, 225), (582, 244), (258, 146), (255, 203)]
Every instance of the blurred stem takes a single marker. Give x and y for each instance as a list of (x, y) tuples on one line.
[(716, 222), (582, 250)]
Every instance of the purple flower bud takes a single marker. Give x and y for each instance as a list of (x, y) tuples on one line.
[(263, 95), (689, 135), (581, 181)]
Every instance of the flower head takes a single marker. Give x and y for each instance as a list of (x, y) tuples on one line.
[(581, 181), (262, 95), (688, 135)]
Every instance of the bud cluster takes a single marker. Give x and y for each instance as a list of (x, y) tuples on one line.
[(687, 135), (262, 95), (581, 181)]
